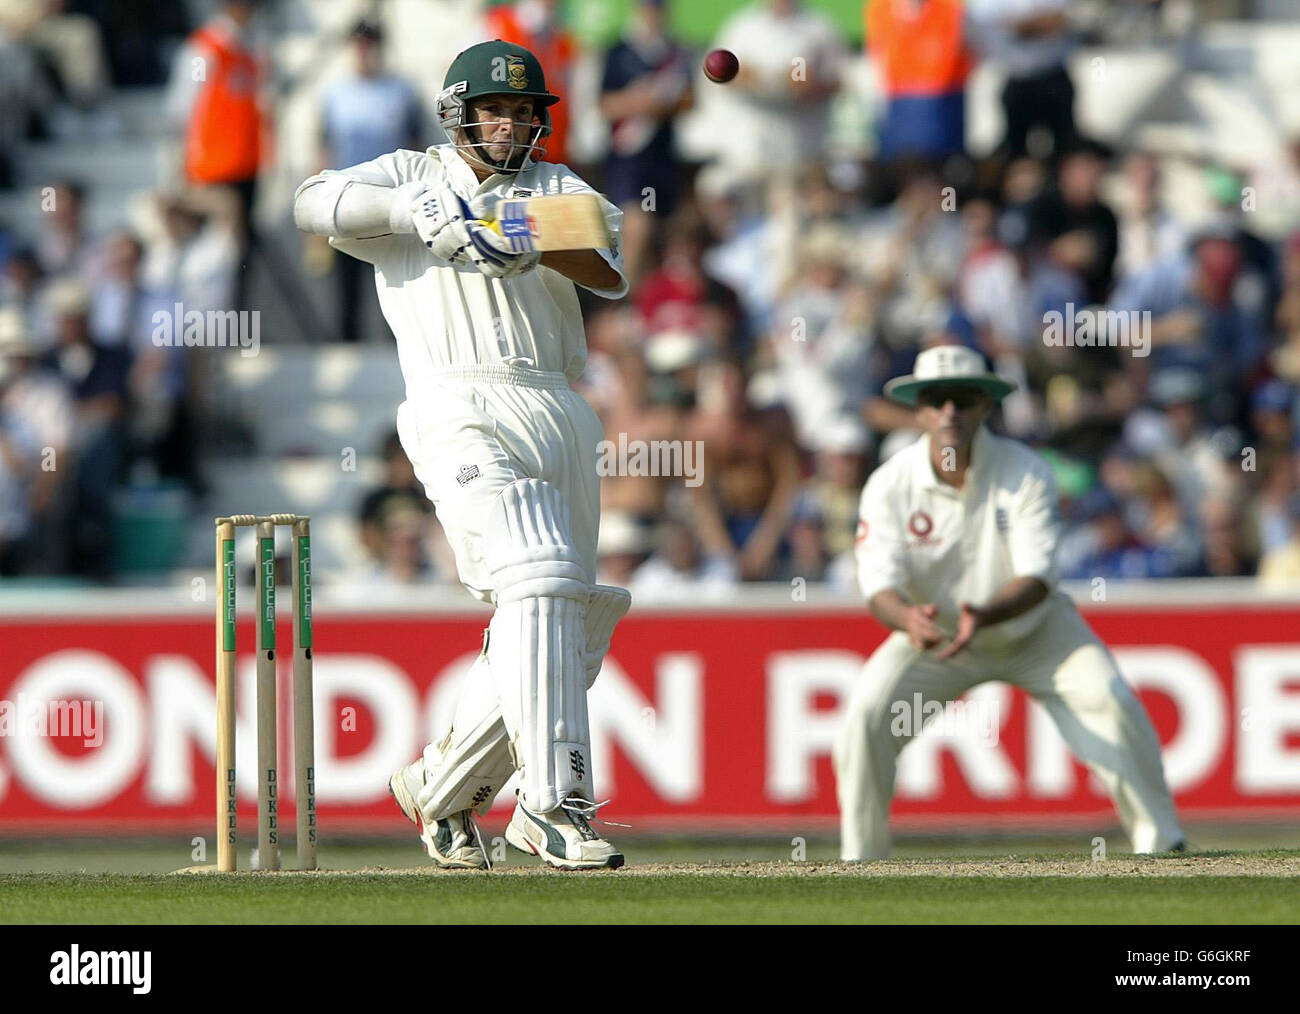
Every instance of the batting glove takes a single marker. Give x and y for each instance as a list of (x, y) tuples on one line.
[(490, 252), (439, 217)]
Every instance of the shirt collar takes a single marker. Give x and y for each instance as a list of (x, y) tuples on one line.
[(981, 448), (462, 175)]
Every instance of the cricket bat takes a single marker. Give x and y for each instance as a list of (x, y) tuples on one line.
[(561, 222)]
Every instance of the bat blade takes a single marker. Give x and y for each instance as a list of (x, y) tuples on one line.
[(562, 222)]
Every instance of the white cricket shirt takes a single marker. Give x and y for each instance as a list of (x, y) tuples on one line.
[(446, 315), (936, 544)]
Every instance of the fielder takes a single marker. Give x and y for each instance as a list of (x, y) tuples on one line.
[(488, 342), (956, 543)]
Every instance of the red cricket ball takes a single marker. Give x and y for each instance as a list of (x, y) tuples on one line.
[(721, 66)]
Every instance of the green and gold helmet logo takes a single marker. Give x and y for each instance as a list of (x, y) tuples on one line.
[(517, 71)]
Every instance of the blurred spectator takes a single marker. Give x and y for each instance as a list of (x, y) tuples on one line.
[(776, 108), (368, 113), (835, 487), (402, 556), (1178, 439), (678, 293), (1030, 40), (1163, 527), (400, 490), (97, 377), (1272, 417), (1081, 232), (72, 46), (1196, 321), (647, 406), (1148, 232), (751, 250), (751, 476), (1101, 544), (26, 91), (913, 249), (1280, 568), (215, 96), (124, 315), (19, 462), (122, 306), (1227, 544), (919, 49), (1258, 287), (621, 548), (63, 246), (821, 339), (196, 253), (679, 569), (645, 84), (1286, 357), (1278, 474), (42, 406), (536, 25), (1007, 286), (22, 288)]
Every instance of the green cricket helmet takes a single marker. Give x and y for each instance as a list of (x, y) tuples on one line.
[(494, 68)]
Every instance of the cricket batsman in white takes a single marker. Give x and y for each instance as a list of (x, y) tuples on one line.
[(489, 341), (957, 539)]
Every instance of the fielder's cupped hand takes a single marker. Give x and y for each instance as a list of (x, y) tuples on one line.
[(971, 620), (920, 627)]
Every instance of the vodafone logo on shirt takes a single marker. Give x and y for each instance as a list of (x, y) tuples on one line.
[(921, 524)]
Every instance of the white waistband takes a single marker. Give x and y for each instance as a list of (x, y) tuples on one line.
[(502, 373)]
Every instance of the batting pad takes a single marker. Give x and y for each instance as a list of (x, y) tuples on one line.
[(537, 645), (467, 769), (606, 606)]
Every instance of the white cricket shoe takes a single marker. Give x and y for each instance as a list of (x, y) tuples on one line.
[(563, 836), (454, 842)]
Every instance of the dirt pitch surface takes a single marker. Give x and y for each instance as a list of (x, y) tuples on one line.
[(1122, 866)]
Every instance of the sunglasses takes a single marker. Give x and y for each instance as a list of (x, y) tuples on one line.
[(961, 397)]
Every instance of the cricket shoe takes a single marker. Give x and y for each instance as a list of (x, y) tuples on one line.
[(454, 842), (563, 836)]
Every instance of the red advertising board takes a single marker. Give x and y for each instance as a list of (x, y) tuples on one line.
[(703, 719)]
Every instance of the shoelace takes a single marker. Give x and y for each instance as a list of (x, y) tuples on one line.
[(478, 836), (587, 811)]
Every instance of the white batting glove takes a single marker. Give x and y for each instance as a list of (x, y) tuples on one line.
[(439, 219)]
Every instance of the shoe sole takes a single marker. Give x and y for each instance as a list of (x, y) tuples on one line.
[(411, 811), (520, 841)]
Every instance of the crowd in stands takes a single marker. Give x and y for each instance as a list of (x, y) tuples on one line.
[(775, 288)]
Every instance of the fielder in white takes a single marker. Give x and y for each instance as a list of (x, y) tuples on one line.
[(489, 342), (956, 544)]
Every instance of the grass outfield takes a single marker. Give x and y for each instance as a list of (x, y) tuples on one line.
[(1258, 886)]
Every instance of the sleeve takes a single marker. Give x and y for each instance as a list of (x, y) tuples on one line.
[(316, 200), (880, 547), (571, 183), (1035, 529)]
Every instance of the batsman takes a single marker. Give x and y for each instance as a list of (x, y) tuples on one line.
[(489, 338)]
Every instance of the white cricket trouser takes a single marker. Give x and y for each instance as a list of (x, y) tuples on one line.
[(481, 429), (484, 427), (1064, 667)]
